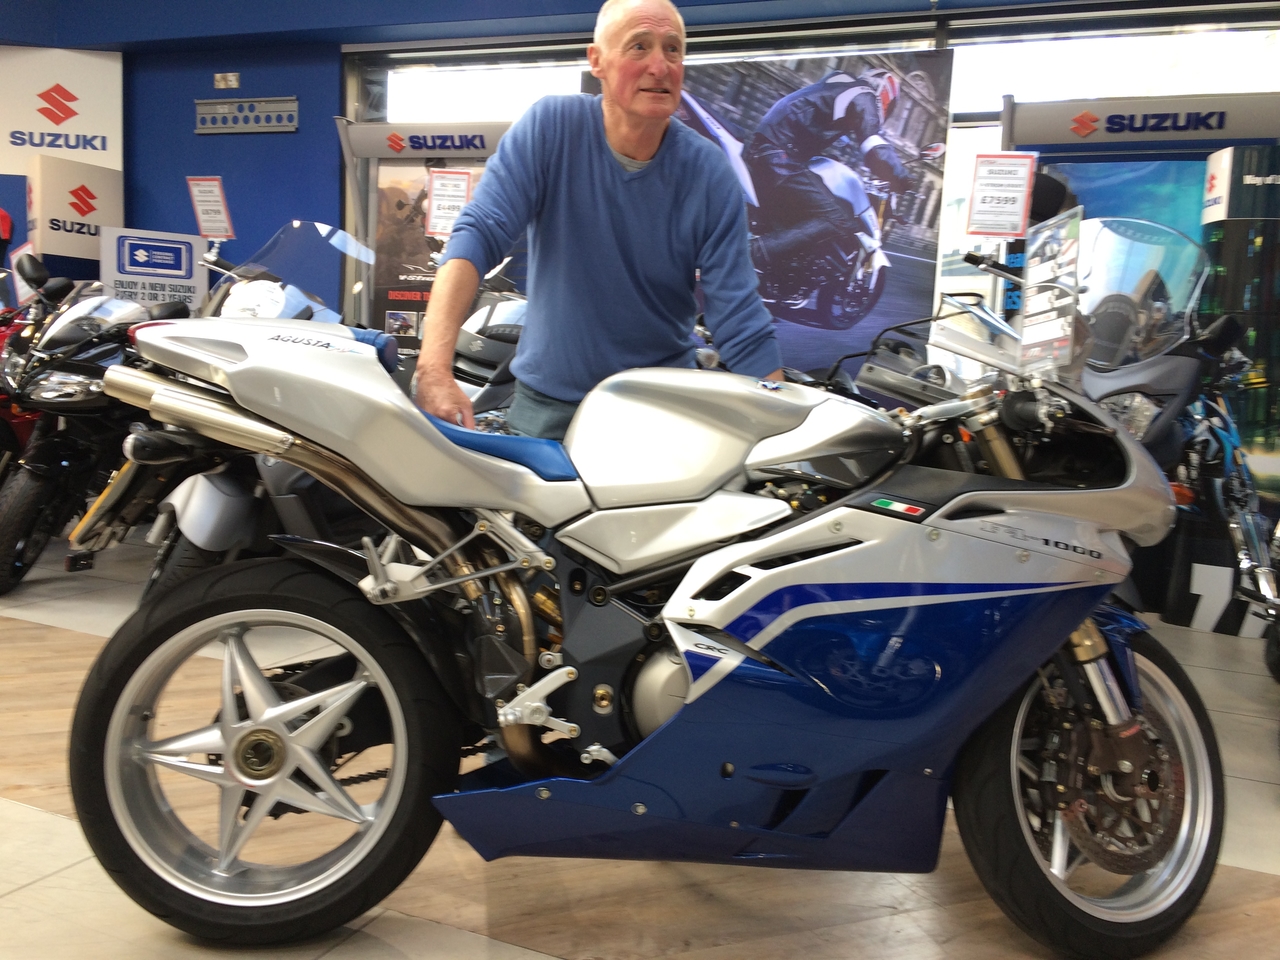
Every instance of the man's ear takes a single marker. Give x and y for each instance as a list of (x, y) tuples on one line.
[(594, 57)]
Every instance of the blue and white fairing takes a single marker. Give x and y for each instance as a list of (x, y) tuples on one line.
[(837, 688)]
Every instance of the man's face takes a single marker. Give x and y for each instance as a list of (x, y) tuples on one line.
[(640, 62)]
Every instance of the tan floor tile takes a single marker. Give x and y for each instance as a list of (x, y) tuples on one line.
[(395, 936), (35, 844)]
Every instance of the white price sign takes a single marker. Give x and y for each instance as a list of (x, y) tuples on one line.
[(210, 204), (1001, 198), (447, 193)]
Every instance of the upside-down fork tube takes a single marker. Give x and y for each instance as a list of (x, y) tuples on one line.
[(220, 418)]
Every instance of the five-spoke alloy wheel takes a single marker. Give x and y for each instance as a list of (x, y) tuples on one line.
[(253, 755)]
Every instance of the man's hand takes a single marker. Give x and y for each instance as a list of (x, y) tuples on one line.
[(443, 398), (777, 375), (452, 294)]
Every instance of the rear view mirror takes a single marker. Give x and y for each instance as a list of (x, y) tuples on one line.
[(170, 310), (55, 290), (32, 271)]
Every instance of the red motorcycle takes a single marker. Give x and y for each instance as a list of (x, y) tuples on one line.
[(15, 426)]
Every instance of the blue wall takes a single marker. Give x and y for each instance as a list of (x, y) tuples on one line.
[(269, 178)]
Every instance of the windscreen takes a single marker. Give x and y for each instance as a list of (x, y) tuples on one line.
[(1142, 281), (309, 256)]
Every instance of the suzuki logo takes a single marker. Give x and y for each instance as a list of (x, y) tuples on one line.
[(57, 97), (395, 142), (1213, 179), (81, 202), (1085, 124)]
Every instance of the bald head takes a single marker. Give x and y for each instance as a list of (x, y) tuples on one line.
[(613, 12)]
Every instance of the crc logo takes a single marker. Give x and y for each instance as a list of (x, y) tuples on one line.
[(1084, 124), (81, 200), (395, 142), (58, 99)]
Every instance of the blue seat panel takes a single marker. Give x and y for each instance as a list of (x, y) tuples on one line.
[(546, 458)]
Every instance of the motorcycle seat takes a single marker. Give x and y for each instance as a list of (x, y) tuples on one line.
[(546, 458)]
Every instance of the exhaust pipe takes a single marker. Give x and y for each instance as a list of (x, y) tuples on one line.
[(204, 411)]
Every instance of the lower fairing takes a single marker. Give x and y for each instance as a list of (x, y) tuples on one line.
[(835, 754)]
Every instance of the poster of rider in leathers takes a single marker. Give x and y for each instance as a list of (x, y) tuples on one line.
[(840, 158)]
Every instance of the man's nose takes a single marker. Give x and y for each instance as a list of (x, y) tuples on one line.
[(658, 64)]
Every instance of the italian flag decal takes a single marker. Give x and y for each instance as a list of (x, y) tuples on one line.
[(909, 509)]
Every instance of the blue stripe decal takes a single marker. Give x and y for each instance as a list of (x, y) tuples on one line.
[(699, 663), (779, 602)]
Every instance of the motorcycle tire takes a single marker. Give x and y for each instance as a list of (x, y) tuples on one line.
[(178, 559), (28, 515), (1074, 915), (275, 769), (855, 302), (1272, 636)]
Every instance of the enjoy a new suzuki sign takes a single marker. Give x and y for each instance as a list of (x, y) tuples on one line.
[(60, 103)]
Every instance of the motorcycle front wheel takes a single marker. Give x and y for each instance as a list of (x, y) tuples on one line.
[(1119, 877), (254, 753), (28, 515), (844, 306)]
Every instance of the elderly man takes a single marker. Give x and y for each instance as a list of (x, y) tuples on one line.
[(623, 205)]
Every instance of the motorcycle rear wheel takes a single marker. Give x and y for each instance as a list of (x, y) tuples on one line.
[(245, 831), (1088, 912), (27, 518)]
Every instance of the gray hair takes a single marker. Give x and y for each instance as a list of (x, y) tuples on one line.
[(611, 9)]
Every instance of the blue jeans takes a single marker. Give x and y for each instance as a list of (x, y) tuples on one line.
[(534, 414)]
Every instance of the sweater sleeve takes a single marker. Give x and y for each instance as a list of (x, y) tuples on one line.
[(739, 323), (507, 196)]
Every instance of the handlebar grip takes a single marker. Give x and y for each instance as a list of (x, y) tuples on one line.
[(974, 259), (1020, 411)]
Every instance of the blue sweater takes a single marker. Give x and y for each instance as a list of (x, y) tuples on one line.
[(612, 254)]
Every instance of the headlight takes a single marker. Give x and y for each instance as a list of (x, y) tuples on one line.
[(12, 363), (57, 386), (1134, 411)]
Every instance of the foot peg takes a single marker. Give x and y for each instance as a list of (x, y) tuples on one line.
[(530, 707)]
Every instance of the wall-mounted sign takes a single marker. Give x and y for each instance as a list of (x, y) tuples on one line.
[(210, 203), (69, 203), (65, 103), (1001, 198), (1080, 125), (1242, 183), (447, 193), (409, 140), (254, 115), (152, 267)]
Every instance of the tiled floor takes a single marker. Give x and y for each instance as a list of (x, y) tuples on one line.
[(55, 901)]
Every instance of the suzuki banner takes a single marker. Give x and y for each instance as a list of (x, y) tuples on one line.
[(1084, 125), (64, 103), (1242, 183), (68, 205)]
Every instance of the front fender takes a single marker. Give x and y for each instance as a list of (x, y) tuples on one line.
[(214, 511), (1118, 626)]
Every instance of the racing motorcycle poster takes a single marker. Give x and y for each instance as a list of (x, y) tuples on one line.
[(409, 229), (840, 158)]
